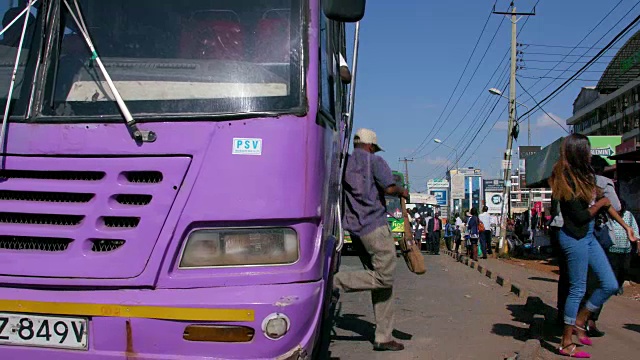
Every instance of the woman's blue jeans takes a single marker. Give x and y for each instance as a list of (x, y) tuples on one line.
[(582, 254)]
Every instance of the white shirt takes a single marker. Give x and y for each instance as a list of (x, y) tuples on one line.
[(417, 216), (486, 220)]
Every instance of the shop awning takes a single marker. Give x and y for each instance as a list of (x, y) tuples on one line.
[(540, 165)]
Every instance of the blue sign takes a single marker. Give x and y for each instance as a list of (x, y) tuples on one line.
[(441, 196)]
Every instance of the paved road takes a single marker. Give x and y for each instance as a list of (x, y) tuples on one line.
[(451, 312)]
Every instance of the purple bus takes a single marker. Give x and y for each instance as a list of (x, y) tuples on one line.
[(170, 177)]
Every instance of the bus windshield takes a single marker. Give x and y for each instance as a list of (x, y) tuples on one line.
[(179, 57), (394, 207)]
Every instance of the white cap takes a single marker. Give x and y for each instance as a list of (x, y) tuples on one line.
[(366, 136)]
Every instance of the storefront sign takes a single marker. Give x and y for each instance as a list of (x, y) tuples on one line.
[(493, 185), (525, 151), (494, 202), (438, 183), (605, 146), (440, 195)]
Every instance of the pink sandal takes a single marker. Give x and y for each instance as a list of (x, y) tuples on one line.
[(573, 353), (584, 340)]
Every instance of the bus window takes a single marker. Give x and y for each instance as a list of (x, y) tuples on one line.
[(167, 57)]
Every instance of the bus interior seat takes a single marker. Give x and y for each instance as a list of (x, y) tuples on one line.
[(212, 34), (273, 37)]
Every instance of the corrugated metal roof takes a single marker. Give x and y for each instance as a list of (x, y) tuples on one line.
[(624, 67)]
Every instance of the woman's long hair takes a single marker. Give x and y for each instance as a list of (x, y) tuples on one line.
[(573, 176)]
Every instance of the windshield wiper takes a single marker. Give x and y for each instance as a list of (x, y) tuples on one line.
[(5, 119), (137, 134)]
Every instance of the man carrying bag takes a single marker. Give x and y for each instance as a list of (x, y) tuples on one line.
[(367, 180)]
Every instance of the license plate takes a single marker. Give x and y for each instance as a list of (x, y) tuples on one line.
[(43, 331)]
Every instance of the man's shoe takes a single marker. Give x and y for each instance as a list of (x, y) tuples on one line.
[(388, 346), (594, 332)]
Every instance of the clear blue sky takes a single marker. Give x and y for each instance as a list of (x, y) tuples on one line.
[(413, 52)]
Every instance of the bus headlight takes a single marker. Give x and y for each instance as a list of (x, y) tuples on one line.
[(275, 326), (235, 247)]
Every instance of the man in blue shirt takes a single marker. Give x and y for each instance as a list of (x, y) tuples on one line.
[(367, 180)]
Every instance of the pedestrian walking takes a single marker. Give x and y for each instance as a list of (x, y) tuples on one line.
[(448, 235), (485, 237), (620, 252), (457, 236), (603, 232), (433, 228), (474, 232), (573, 183), (368, 179)]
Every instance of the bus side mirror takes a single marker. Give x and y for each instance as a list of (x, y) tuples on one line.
[(344, 10)]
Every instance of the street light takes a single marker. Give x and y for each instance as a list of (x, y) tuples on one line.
[(438, 141), (507, 201), (495, 91)]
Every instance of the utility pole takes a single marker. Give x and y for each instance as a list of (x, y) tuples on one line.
[(406, 170), (506, 194)]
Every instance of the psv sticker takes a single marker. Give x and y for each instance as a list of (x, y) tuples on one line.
[(246, 146)]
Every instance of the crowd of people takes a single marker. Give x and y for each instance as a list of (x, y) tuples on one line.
[(475, 230), (591, 230)]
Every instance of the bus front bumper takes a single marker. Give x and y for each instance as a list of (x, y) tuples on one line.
[(150, 324)]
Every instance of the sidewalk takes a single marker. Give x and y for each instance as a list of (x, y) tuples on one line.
[(620, 317)]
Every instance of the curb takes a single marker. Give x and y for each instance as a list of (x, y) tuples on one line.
[(534, 305), (501, 280)]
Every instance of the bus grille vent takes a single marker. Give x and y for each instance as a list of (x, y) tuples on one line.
[(121, 221), (40, 219), (47, 244), (57, 197), (52, 175), (144, 177), (133, 199), (106, 245)]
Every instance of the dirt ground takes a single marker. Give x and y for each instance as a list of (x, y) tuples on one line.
[(632, 290)]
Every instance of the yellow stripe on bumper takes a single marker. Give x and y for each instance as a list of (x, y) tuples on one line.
[(126, 311)]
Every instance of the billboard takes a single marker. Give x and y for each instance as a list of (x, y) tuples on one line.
[(605, 146), (418, 198), (440, 195), (457, 186), (494, 202), (438, 183)]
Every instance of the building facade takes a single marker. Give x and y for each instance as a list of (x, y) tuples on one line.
[(465, 190), (612, 107)]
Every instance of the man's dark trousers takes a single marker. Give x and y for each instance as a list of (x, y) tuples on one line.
[(434, 242)]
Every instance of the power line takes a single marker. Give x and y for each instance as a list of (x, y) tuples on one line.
[(554, 78), (560, 46), (563, 70), (565, 55), (457, 84), (594, 44), (581, 41), (472, 127), (482, 108), (470, 79), (562, 61), (541, 108), (479, 129), (581, 70), (477, 98)]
